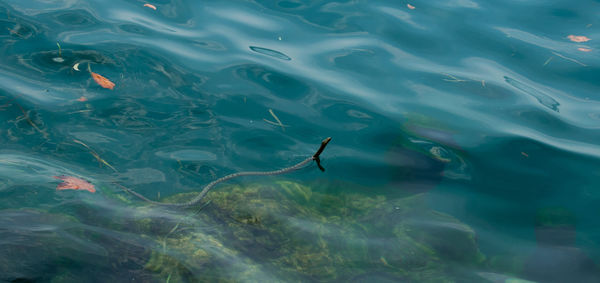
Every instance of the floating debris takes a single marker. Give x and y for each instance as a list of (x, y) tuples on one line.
[(548, 61), (102, 81), (99, 79), (453, 79), (273, 123), (410, 6), (583, 49), (76, 67), (570, 59), (578, 38), (439, 153), (73, 183), (270, 52), (384, 261), (276, 119), (58, 59), (150, 6), (96, 155), (28, 119)]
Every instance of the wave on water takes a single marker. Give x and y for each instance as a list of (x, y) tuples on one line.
[(457, 127)]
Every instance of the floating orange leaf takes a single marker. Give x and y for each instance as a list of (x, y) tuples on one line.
[(150, 6), (578, 38), (410, 6), (73, 183), (82, 99), (102, 81), (584, 49)]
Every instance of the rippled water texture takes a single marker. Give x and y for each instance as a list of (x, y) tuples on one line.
[(465, 140)]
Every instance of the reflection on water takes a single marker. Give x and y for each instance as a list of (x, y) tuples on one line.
[(464, 141)]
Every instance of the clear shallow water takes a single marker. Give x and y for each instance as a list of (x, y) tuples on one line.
[(464, 140)]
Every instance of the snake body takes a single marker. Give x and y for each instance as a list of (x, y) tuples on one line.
[(212, 184)]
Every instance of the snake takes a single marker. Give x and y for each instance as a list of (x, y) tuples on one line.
[(212, 184)]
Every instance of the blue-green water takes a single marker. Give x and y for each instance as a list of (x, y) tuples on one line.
[(465, 140)]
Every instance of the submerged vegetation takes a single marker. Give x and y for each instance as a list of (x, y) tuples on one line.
[(293, 232), (279, 230)]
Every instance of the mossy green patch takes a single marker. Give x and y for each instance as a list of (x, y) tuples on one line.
[(296, 233)]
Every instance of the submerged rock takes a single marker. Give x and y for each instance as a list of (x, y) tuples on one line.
[(285, 230), (38, 246)]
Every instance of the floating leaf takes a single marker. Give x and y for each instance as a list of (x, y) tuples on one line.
[(73, 183), (150, 6), (102, 81), (584, 49), (76, 67), (578, 38), (410, 6), (82, 99)]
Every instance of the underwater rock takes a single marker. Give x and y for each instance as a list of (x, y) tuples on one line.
[(557, 257), (287, 230), (35, 243)]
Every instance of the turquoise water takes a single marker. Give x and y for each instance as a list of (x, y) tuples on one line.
[(464, 140)]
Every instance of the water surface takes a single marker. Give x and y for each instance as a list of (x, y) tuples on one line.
[(465, 140)]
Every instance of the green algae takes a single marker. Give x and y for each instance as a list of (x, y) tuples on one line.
[(287, 230)]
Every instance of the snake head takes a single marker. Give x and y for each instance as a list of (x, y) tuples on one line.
[(316, 156)]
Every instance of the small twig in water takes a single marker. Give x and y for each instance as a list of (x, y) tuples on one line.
[(187, 216), (570, 59), (80, 111), (92, 152), (15, 31), (273, 123), (453, 79), (26, 117), (276, 119)]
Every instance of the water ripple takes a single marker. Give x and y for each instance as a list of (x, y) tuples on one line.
[(485, 112)]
